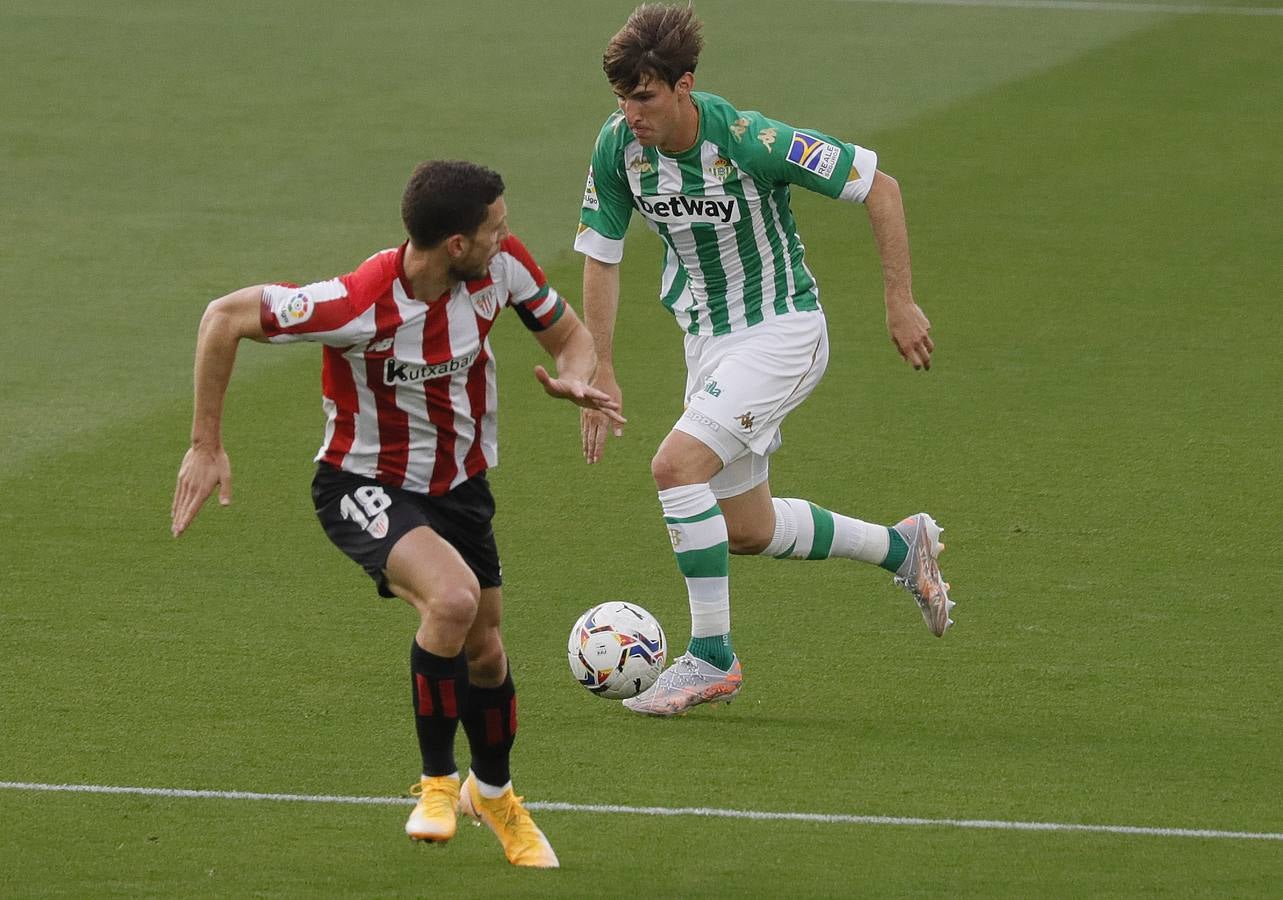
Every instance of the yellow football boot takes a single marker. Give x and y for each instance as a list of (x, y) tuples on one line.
[(523, 843), (434, 817)]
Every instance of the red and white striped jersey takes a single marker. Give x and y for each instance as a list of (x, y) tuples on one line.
[(409, 386)]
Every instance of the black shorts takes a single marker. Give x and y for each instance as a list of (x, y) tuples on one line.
[(365, 518)]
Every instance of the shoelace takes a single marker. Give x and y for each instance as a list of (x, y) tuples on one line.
[(442, 799), (516, 818)]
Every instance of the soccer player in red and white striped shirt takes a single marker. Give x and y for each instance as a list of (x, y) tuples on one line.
[(409, 396)]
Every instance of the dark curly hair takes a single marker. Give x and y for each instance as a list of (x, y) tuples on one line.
[(446, 197)]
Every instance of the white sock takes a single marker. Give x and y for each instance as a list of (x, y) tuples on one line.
[(489, 791), (806, 531), (698, 532)]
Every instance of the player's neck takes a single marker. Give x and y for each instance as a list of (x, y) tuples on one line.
[(427, 272), (687, 131)]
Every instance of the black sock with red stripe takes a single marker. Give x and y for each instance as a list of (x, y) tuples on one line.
[(490, 721), (439, 686)]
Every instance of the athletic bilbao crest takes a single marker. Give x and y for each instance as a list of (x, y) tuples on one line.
[(485, 303)]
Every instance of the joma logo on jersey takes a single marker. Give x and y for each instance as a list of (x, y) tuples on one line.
[(679, 209), (396, 372)]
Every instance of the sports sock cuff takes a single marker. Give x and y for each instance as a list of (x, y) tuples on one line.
[(687, 500), (490, 791), (427, 663), (785, 534)]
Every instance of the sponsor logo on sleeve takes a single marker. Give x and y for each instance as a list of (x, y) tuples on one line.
[(681, 209), (293, 310), (767, 136), (590, 194), (813, 154)]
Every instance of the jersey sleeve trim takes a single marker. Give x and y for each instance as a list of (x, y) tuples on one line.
[(591, 243), (860, 179), (541, 311)]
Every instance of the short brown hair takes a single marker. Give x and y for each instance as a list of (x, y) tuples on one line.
[(657, 41), (446, 197)]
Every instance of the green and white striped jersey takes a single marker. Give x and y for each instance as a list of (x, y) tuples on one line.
[(732, 255)]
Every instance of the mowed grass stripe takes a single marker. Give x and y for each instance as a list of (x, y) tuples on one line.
[(700, 811), (1180, 9)]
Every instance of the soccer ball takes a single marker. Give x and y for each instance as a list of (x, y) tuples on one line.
[(616, 650)]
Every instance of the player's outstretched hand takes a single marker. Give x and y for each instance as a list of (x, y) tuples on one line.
[(909, 329), (595, 424), (200, 473), (582, 394)]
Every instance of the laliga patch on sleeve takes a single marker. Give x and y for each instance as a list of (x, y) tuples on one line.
[(293, 309), (590, 193), (813, 154)]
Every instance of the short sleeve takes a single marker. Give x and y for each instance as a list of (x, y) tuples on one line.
[(536, 303), (608, 204), (323, 312), (817, 161)]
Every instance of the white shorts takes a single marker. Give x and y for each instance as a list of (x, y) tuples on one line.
[(740, 386)]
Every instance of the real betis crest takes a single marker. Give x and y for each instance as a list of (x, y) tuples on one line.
[(721, 169)]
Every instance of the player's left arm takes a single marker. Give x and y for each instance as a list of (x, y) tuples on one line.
[(834, 168), (907, 324), (570, 345)]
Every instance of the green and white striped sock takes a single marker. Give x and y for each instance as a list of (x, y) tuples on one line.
[(698, 534), (806, 531)]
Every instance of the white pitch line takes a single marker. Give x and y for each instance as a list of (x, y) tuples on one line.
[(1180, 9), (703, 811)]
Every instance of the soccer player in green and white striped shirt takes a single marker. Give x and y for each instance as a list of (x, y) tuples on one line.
[(713, 182)]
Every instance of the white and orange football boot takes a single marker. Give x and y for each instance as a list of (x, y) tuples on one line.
[(688, 682), (919, 574)]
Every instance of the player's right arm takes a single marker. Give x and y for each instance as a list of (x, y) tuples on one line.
[(601, 304), (227, 321), (603, 222)]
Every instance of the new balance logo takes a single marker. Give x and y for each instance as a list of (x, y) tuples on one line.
[(679, 209), (397, 372)]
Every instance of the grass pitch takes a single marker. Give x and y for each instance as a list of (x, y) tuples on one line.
[(1093, 201)]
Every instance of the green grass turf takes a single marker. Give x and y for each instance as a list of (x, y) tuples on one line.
[(1093, 204)]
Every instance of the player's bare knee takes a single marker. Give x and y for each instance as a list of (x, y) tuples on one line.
[(668, 470), (455, 605)]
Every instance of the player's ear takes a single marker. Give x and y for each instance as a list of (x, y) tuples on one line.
[(456, 245)]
